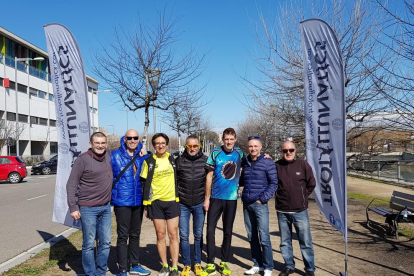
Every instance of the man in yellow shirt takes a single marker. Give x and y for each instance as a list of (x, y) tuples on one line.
[(161, 200)]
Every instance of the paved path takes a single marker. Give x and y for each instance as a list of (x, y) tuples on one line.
[(26, 214), (370, 253)]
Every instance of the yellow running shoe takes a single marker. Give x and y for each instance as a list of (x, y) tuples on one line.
[(186, 271), (198, 269), (209, 270), (224, 269)]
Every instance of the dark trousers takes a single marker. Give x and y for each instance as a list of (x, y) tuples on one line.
[(219, 207), (129, 220)]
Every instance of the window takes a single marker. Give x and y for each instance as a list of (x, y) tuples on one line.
[(42, 121), (23, 118), (5, 160), (33, 93), (41, 94), (51, 97), (11, 116), (53, 147), (22, 88), (12, 85), (34, 120), (52, 122)]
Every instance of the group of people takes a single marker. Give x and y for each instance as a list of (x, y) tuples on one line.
[(169, 191)]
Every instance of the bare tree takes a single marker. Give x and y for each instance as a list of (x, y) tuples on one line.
[(184, 115), (44, 138), (397, 80), (279, 93), (10, 129), (146, 59)]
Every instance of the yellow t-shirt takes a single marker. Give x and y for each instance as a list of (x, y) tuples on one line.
[(163, 182)]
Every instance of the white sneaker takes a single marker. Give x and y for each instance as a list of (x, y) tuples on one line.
[(254, 270), (268, 272)]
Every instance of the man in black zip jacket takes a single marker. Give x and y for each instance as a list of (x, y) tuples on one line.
[(296, 183), (191, 175)]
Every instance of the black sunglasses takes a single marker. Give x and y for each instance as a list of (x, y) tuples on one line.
[(288, 150), (131, 137), (253, 137)]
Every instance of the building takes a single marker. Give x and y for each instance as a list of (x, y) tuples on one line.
[(34, 107)]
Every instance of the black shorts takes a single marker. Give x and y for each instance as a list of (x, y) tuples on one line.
[(164, 209)]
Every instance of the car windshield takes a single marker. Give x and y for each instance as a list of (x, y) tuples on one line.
[(54, 158), (19, 160)]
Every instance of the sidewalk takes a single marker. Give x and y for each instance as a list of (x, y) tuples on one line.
[(369, 253)]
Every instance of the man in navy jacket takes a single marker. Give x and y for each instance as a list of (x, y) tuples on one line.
[(127, 202), (259, 179)]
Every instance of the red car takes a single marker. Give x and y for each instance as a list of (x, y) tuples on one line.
[(12, 168)]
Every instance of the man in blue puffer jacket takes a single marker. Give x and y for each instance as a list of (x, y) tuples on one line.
[(127, 202), (259, 179)]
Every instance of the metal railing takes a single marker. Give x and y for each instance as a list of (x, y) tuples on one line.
[(37, 73), (396, 171), (9, 61), (22, 66)]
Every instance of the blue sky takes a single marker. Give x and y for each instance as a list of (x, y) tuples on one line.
[(224, 28)]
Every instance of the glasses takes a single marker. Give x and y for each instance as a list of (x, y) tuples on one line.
[(288, 150), (132, 137), (253, 137), (160, 144), (192, 146)]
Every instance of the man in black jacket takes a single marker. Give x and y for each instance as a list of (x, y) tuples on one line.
[(296, 183), (191, 175)]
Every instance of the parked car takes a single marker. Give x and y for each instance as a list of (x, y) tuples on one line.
[(46, 167), (12, 168)]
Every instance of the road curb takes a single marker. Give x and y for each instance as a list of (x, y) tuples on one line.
[(35, 250)]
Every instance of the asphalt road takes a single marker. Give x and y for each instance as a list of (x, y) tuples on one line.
[(26, 212)]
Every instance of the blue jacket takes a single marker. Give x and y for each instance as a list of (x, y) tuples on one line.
[(128, 190), (259, 179)]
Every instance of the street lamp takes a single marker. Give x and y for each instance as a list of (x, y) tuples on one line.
[(152, 77), (92, 112), (15, 90), (196, 121)]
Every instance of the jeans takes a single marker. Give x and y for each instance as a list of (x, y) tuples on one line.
[(219, 207), (198, 222), (300, 221), (96, 224), (128, 222), (256, 221)]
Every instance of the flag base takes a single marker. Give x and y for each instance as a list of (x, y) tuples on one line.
[(342, 273)]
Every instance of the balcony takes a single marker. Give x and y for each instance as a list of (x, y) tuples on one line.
[(9, 61), (37, 73), (22, 66)]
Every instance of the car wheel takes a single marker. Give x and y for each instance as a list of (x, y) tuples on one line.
[(46, 170), (14, 177)]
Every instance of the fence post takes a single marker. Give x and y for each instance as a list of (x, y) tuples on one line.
[(379, 168), (398, 171)]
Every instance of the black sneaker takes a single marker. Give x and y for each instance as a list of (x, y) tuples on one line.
[(310, 273), (286, 272)]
